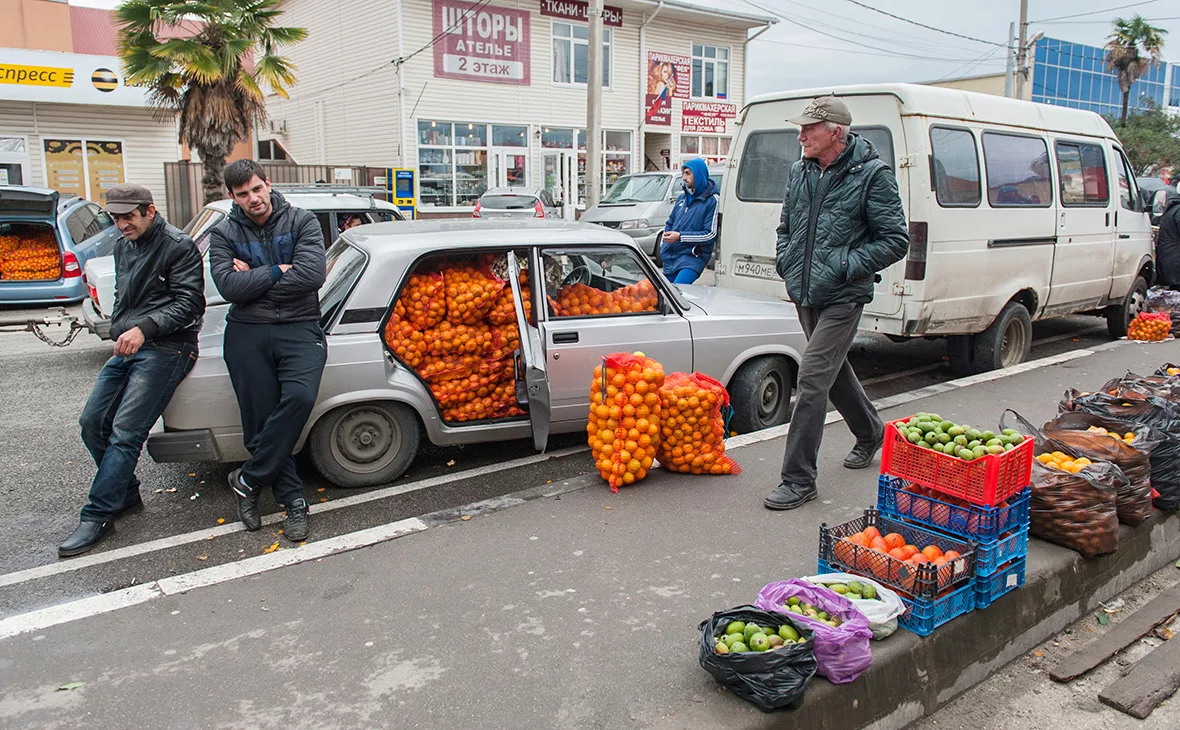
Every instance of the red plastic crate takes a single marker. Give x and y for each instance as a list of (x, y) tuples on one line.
[(986, 481)]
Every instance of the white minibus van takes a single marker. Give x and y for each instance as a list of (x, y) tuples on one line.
[(1017, 212)]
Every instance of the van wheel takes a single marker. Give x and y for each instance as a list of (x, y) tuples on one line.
[(760, 393), (364, 444), (1007, 342), (1119, 317), (960, 353)]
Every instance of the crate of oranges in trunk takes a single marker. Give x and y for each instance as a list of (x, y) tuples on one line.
[(1150, 327), (692, 431), (624, 424)]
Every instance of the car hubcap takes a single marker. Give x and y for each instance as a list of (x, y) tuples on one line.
[(1012, 349), (365, 440), (770, 397)]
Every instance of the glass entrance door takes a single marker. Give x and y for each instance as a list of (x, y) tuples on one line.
[(510, 168), (561, 180)]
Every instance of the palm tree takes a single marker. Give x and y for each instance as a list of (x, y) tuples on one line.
[(1126, 47), (194, 60)]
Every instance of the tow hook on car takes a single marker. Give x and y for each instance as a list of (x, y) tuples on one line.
[(54, 317)]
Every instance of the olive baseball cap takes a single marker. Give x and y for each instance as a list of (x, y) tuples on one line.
[(824, 109), (125, 197)]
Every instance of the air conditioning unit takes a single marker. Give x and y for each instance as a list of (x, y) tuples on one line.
[(278, 126)]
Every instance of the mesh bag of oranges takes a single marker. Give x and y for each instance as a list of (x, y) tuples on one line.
[(1150, 327), (579, 300), (29, 254), (503, 310), (471, 291), (624, 424), (692, 425), (424, 299)]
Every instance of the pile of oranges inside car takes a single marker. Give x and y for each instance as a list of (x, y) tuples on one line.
[(29, 253)]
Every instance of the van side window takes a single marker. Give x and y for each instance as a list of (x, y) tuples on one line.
[(1083, 174), (762, 177), (1128, 187), (1017, 171), (954, 167)]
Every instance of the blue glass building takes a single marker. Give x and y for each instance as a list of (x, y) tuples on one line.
[(1075, 75)]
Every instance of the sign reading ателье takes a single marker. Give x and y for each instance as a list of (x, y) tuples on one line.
[(481, 42)]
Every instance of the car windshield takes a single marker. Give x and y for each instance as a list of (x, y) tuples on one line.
[(345, 263), (637, 189), (508, 202)]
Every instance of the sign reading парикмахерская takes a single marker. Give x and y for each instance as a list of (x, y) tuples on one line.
[(481, 42)]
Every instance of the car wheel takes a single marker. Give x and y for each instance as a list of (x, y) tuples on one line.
[(1007, 342), (760, 392), (365, 444), (1119, 317)]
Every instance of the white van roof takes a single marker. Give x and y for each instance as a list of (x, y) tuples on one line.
[(934, 101)]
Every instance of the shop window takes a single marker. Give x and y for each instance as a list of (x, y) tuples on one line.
[(269, 149), (616, 159), (710, 72), (1083, 174), (714, 150), (955, 168), (571, 54), (560, 139), (83, 167), (510, 136), (452, 163), (14, 160), (591, 282), (1017, 171)]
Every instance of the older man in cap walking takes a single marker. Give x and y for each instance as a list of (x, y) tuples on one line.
[(159, 303), (841, 223)]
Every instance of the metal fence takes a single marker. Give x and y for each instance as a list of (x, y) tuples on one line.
[(182, 182)]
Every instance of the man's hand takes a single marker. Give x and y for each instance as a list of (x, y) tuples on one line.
[(129, 342), (671, 237), (240, 265), (284, 268)]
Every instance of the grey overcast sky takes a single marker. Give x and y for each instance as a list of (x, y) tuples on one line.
[(833, 42)]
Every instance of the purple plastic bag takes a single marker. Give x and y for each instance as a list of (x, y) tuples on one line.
[(842, 651)]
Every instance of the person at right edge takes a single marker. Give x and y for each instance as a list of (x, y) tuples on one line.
[(841, 223), (267, 260), (1167, 244)]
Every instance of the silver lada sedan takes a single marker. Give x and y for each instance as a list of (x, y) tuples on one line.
[(374, 409)]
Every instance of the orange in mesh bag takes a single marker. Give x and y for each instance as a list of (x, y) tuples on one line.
[(471, 292), (692, 430), (624, 425), (424, 299)]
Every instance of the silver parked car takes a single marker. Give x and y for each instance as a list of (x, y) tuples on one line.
[(516, 203), (373, 410)]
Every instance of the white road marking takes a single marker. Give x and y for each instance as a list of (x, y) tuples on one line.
[(164, 543)]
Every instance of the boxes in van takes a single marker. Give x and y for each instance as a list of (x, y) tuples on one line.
[(1017, 212)]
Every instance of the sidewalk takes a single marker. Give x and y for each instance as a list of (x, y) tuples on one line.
[(578, 610)]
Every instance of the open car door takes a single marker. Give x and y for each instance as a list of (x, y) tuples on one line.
[(536, 379)]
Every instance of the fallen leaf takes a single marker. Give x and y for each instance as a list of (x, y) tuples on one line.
[(1104, 619), (281, 532), (323, 499), (320, 489), (608, 506), (1164, 633), (1178, 563), (271, 549), (1038, 653), (202, 558), (171, 490), (70, 685), (451, 462), (192, 474), (221, 520), (264, 608), (209, 538), (465, 517), (304, 543), (161, 491)]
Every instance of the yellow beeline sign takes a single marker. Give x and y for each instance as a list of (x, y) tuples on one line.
[(36, 75)]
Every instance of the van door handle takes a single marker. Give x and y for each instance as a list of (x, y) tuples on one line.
[(565, 338), (1108, 220), (1123, 236)]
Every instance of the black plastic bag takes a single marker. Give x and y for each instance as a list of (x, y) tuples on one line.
[(1164, 300), (1168, 370), (1142, 410), (771, 680)]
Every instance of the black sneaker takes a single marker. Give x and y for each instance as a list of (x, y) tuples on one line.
[(84, 537), (790, 496), (297, 524), (247, 498), (861, 456)]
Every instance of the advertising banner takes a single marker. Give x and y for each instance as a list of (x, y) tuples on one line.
[(706, 116), (65, 78), (481, 42), (668, 77)]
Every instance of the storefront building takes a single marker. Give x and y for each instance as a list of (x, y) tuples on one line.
[(494, 94)]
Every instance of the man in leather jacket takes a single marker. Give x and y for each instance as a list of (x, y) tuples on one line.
[(159, 303)]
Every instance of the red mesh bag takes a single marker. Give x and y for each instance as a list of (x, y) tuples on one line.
[(455, 340), (424, 299), (471, 291), (692, 425), (405, 341), (624, 424), (504, 310)]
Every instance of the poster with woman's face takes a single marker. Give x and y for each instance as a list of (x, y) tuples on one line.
[(667, 78)]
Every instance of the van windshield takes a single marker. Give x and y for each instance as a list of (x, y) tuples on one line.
[(762, 176), (637, 189)]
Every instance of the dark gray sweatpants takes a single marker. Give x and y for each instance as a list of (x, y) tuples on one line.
[(824, 374)]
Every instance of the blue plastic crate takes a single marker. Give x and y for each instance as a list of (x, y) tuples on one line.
[(1008, 578), (977, 523), (923, 616), (992, 555)]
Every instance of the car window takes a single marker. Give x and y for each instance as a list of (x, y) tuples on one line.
[(1017, 171), (1128, 187), (768, 156), (325, 220), (546, 199), (77, 223), (637, 189), (1083, 174), (508, 202), (202, 220), (344, 265), (205, 229), (597, 281), (954, 167)]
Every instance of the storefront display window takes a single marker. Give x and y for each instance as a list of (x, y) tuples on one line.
[(571, 54), (714, 150), (616, 159), (14, 160), (559, 139), (86, 168), (710, 72), (452, 163), (510, 136)]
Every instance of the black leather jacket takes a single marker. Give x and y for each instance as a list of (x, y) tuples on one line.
[(159, 285), (264, 294), (1167, 244)]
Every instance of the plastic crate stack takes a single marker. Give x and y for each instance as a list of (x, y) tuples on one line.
[(985, 501)]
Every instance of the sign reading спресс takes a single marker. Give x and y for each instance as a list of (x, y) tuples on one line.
[(481, 42)]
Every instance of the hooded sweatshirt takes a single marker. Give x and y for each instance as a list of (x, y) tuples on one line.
[(694, 217)]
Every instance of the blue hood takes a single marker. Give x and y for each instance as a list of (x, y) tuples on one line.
[(700, 175)]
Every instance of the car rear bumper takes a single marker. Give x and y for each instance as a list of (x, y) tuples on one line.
[(95, 322), (62, 291), (174, 446)]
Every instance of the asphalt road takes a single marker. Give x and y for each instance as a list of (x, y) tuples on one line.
[(45, 471)]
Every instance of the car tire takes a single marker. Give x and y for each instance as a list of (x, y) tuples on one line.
[(1007, 342), (1119, 316), (365, 444), (760, 393), (960, 353)]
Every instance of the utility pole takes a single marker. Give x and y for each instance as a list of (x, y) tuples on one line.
[(594, 106), (1010, 69), (1022, 51)]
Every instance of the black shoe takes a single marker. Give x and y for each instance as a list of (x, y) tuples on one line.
[(84, 537), (297, 524), (790, 496), (861, 456), (247, 497)]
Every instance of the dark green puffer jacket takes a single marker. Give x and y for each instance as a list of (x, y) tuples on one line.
[(839, 227)]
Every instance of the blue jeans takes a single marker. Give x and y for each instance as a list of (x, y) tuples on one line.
[(127, 400)]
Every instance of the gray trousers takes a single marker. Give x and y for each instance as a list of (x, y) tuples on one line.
[(824, 374)]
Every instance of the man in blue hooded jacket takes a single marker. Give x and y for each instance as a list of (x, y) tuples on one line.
[(691, 229)]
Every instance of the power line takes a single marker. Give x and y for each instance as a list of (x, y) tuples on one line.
[(1096, 12), (1099, 22), (927, 27), (462, 18), (890, 54), (985, 57), (914, 39)]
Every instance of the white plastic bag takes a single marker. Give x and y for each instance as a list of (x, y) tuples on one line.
[(881, 613)]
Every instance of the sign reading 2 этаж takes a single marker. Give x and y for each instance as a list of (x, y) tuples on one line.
[(481, 42)]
